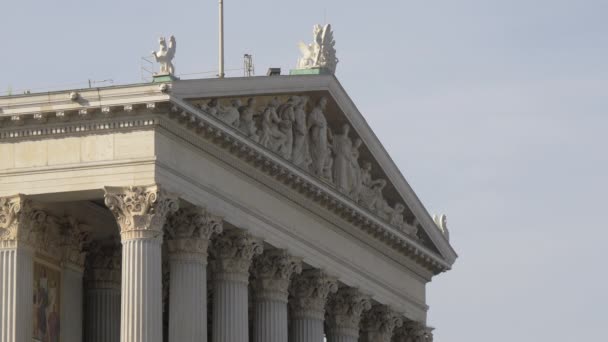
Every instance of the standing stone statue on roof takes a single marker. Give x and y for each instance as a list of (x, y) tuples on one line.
[(164, 55), (321, 53)]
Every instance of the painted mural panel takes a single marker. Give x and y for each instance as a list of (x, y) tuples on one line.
[(46, 303)]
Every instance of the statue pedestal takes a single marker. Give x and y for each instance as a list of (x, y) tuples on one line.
[(162, 78), (313, 71)]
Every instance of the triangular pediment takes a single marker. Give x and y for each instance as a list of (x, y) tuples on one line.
[(302, 119)]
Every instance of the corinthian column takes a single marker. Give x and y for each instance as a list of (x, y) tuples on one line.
[(16, 269), (309, 292), (378, 324), (413, 332), (272, 272), (74, 238), (344, 311), (232, 252), (102, 293), (141, 213), (189, 232)]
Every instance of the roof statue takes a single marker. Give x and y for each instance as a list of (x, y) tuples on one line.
[(442, 224), (164, 56), (321, 53)]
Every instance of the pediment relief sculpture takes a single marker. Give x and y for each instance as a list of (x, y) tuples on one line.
[(297, 127)]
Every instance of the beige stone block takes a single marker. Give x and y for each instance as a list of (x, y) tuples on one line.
[(31, 153), (7, 156), (97, 147), (134, 145), (64, 151)]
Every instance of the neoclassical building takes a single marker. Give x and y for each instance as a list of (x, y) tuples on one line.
[(227, 210)]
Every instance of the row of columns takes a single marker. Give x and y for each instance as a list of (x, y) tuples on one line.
[(127, 283), (25, 231)]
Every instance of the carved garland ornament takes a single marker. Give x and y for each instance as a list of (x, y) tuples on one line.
[(308, 293), (140, 211)]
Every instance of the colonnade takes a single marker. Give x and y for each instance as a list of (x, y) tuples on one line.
[(123, 300)]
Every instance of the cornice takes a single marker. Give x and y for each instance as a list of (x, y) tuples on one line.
[(272, 164), (140, 112)]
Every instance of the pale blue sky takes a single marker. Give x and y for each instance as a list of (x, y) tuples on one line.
[(495, 111)]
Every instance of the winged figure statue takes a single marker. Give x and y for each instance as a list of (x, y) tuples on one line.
[(321, 53), (164, 55)]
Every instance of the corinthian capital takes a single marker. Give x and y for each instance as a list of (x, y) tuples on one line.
[(189, 232), (272, 272), (344, 311), (140, 211), (232, 252), (103, 265), (413, 332), (378, 324), (309, 291), (17, 221), (75, 235)]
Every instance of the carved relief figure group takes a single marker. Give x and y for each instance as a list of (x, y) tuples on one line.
[(305, 139)]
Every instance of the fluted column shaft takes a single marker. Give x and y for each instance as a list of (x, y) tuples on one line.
[(230, 316), (102, 293), (141, 305), (272, 272), (71, 303), (16, 284), (308, 296), (102, 314), (141, 213), (16, 269), (189, 231), (344, 311), (339, 337), (306, 329), (270, 320), (233, 251), (187, 301)]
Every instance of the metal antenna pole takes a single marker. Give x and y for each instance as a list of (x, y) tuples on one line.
[(221, 71)]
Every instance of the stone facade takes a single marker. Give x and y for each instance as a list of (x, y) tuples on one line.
[(277, 184)]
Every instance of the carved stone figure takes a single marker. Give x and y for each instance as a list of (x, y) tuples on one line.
[(211, 107), (165, 55), (442, 223), (371, 190), (396, 219), (287, 115), (342, 147), (355, 170), (321, 53), (317, 126), (230, 114), (300, 154), (247, 120), (272, 138)]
